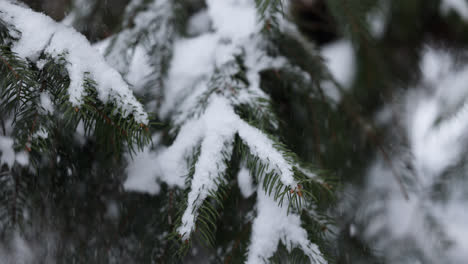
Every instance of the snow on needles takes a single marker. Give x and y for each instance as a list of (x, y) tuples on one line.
[(339, 58), (272, 225), (190, 77), (7, 153), (437, 123), (432, 138), (152, 31), (200, 97), (8, 156), (40, 33), (216, 130)]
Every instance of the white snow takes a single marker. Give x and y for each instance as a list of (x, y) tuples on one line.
[(8, 155), (339, 57), (226, 29), (216, 129), (433, 119), (139, 69), (143, 170), (459, 6), (428, 141), (245, 182), (189, 72), (40, 33), (261, 146), (146, 44), (234, 19), (272, 225), (46, 102), (81, 8), (435, 65), (101, 46), (340, 60), (80, 134), (40, 64), (22, 158), (453, 217), (41, 133), (141, 173), (17, 251), (188, 67), (427, 138), (377, 18), (352, 230), (6, 150), (202, 63)]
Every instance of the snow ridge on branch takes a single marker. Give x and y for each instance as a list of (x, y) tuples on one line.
[(40, 34)]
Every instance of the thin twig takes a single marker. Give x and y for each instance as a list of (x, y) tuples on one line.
[(245, 229), (9, 66), (3, 126), (373, 137)]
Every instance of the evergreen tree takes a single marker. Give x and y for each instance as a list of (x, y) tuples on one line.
[(233, 131)]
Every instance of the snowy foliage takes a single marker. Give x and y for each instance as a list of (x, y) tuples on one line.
[(339, 58), (458, 6), (233, 124), (147, 44), (273, 224), (56, 93), (428, 158), (82, 9), (213, 73), (40, 33)]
